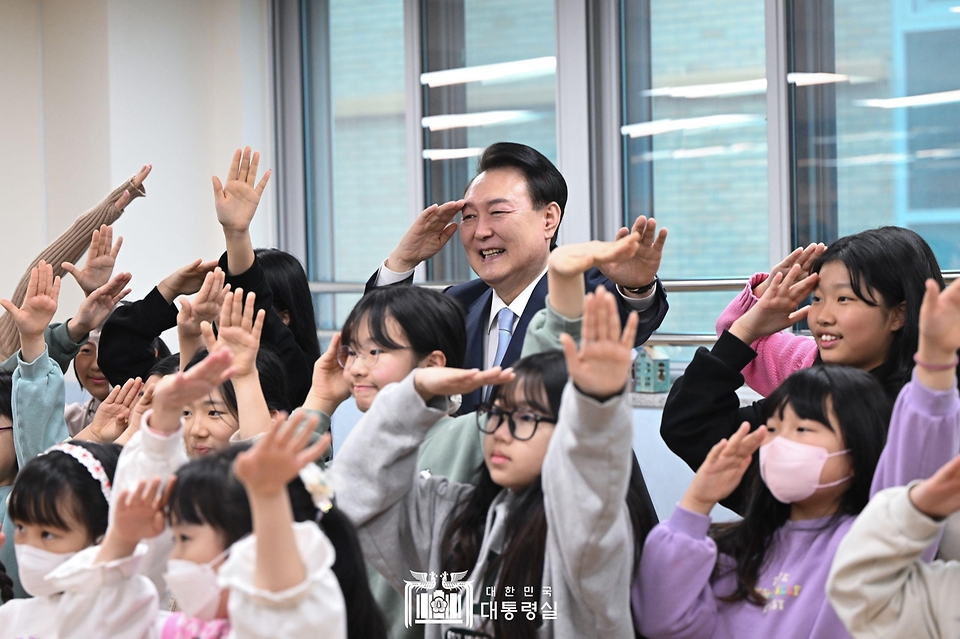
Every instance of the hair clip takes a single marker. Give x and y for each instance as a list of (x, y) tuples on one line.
[(319, 487)]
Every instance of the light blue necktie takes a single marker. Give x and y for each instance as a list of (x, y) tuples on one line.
[(504, 333)]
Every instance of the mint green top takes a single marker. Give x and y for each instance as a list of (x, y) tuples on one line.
[(38, 398)]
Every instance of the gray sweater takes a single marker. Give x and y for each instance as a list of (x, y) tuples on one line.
[(401, 517)]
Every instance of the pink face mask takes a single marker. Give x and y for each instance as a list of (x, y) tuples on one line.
[(791, 470)]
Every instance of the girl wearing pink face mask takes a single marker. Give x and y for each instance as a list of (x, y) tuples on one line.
[(820, 437)]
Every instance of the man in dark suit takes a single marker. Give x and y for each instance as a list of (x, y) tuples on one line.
[(511, 213)]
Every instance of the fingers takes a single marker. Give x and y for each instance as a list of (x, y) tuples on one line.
[(167, 492), (209, 339), (608, 320), (106, 240), (186, 309), (226, 311), (258, 325), (71, 269), (629, 336), (217, 189), (930, 298), (244, 165), (589, 330), (448, 231), (131, 388), (96, 246), (55, 293), (123, 200), (112, 397), (139, 178), (9, 307), (34, 282), (799, 315), (569, 351), (234, 171), (263, 182), (248, 310), (207, 286), (251, 176), (494, 376)]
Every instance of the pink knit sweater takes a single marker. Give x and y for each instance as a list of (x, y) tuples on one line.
[(778, 355)]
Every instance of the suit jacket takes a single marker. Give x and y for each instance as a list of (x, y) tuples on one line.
[(476, 297)]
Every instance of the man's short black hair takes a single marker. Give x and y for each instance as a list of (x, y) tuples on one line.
[(545, 184)]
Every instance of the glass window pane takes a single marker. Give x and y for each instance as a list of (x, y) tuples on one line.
[(489, 69), (878, 137), (695, 141), (354, 95)]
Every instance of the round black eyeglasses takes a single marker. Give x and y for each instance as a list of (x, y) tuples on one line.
[(521, 422)]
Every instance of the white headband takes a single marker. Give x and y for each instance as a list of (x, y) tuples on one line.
[(88, 461)]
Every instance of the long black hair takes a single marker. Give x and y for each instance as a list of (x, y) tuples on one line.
[(862, 409), (539, 380), (208, 493), (52, 485), (431, 321), (291, 293), (896, 263)]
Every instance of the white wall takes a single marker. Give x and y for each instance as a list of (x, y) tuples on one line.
[(94, 89)]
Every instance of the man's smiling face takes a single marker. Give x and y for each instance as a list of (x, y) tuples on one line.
[(506, 238)]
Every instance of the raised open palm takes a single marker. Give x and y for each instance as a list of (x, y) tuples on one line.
[(602, 363), (237, 200)]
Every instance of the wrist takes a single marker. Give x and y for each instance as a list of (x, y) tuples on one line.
[(917, 497), (399, 265), (696, 505), (168, 291), (323, 404), (165, 419), (233, 233), (739, 330), (76, 330), (600, 395), (937, 358), (640, 291), (31, 345)]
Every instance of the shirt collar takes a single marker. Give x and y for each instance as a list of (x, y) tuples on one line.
[(517, 305)]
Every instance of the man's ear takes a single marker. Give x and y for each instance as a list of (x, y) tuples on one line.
[(551, 220), (436, 358)]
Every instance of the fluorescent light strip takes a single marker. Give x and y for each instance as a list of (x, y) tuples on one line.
[(926, 99), (483, 118), (808, 79), (743, 87), (720, 89), (955, 9), (451, 154), (503, 71), (669, 125)]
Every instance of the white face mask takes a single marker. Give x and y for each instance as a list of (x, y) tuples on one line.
[(194, 586), (34, 564)]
